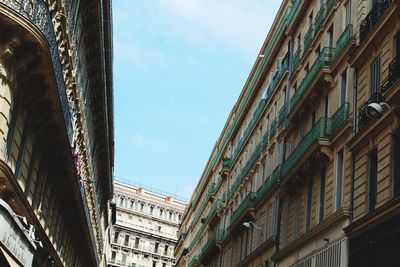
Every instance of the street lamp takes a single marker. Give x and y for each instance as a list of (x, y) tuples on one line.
[(249, 224)]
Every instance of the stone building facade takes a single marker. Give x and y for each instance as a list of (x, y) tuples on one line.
[(306, 170), (56, 132), (145, 232)]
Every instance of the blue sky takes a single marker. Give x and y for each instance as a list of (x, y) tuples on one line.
[(179, 66)]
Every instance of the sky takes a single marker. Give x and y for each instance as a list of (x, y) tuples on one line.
[(179, 67)]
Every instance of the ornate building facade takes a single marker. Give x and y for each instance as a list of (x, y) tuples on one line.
[(306, 170), (56, 132), (145, 232)]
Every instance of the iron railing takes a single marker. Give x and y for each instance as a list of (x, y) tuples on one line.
[(373, 17), (246, 204), (324, 60), (393, 75), (329, 5), (282, 115), (308, 37), (272, 129), (340, 117), (343, 39), (320, 130)]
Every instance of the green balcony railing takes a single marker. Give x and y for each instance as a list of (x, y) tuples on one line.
[(293, 10), (246, 204), (340, 117), (214, 209), (308, 37), (343, 39), (319, 18), (215, 236), (329, 5), (265, 140), (194, 262), (246, 169), (323, 60), (282, 115), (197, 236), (296, 59), (272, 129), (320, 130), (277, 173)]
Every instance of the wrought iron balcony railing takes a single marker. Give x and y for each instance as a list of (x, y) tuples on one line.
[(340, 117), (329, 5), (324, 60), (343, 39), (296, 59), (321, 129), (246, 204), (364, 117), (393, 75), (373, 17), (308, 37), (272, 129), (215, 236)]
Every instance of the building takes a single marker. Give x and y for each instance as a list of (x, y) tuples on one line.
[(56, 132), (306, 169), (145, 232)]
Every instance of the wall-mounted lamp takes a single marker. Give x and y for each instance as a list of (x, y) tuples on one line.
[(24, 220), (249, 224), (376, 110)]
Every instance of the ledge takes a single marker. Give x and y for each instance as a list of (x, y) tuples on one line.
[(314, 231)]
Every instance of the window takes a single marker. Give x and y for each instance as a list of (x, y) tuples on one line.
[(299, 41), (166, 250), (297, 214), (310, 20), (126, 243), (347, 18), (285, 218), (116, 234), (313, 117), (137, 240), (156, 247), (375, 76), (330, 37), (343, 88), (154, 263), (141, 206), (161, 212), (326, 106), (396, 51), (151, 209), (372, 178), (124, 255), (321, 197), (309, 202), (396, 164), (170, 215), (339, 180), (113, 255)]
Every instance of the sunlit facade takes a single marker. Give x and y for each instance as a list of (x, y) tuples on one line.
[(306, 170)]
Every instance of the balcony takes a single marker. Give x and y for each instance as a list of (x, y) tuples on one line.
[(320, 18), (372, 18), (329, 5), (311, 79), (265, 140), (226, 165), (343, 39), (308, 38), (296, 59), (364, 117), (212, 245), (393, 75), (213, 215), (246, 170), (282, 115), (272, 129), (268, 183), (321, 130), (194, 262), (339, 118), (244, 211)]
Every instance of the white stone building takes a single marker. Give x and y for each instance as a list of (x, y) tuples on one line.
[(145, 232)]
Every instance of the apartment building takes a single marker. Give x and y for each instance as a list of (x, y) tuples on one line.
[(306, 169), (56, 132), (147, 223)]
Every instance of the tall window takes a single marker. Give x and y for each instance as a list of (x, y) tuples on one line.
[(330, 37), (310, 20), (321, 197), (309, 202), (313, 117), (343, 88), (396, 164), (396, 51), (372, 178), (326, 106), (347, 18), (375, 76), (297, 214), (285, 219), (339, 180)]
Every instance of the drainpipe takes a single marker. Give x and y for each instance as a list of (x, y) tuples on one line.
[(353, 170), (355, 91), (278, 229)]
